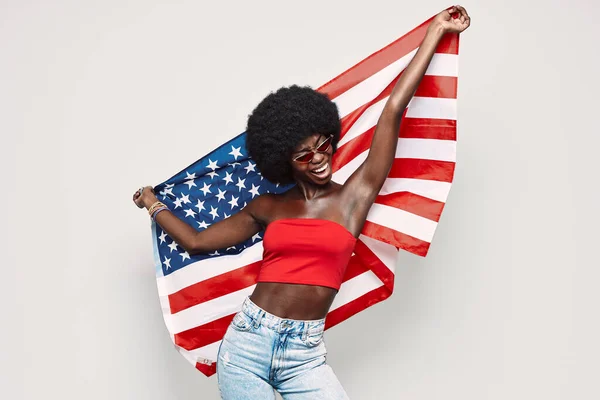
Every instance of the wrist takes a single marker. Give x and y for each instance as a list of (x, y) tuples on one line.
[(436, 29), (150, 202)]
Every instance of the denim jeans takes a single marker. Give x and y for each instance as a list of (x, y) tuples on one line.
[(261, 352)]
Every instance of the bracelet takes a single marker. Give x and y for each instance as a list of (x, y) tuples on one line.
[(155, 206), (157, 211)]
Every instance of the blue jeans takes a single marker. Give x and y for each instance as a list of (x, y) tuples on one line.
[(261, 352)]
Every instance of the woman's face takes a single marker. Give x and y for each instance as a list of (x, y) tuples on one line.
[(317, 170)]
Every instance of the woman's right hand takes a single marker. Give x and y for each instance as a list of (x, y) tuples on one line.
[(146, 199)]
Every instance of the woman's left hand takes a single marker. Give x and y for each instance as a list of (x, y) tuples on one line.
[(449, 23)]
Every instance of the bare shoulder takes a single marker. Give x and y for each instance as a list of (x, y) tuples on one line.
[(261, 207)]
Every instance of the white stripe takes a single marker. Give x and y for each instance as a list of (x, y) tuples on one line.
[(370, 88), (432, 107), (206, 269), (443, 65), (207, 311), (426, 149), (356, 287), (434, 190), (402, 221), (387, 253)]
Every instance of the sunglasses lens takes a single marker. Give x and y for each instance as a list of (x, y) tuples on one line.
[(305, 157), (325, 145)]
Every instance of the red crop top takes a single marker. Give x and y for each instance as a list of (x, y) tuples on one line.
[(306, 251)]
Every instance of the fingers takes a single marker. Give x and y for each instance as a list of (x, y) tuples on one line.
[(464, 16)]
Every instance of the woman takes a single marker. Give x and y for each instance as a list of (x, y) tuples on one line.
[(276, 340)]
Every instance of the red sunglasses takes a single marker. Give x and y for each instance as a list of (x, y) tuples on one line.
[(321, 148)]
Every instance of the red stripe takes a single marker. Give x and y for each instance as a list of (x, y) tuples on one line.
[(437, 86), (207, 370), (357, 305), (214, 287), (422, 169), (204, 334), (395, 238), (426, 128), (413, 203)]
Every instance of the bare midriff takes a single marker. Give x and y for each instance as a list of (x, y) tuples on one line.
[(293, 301)]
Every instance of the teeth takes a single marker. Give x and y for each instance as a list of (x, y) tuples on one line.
[(323, 168)]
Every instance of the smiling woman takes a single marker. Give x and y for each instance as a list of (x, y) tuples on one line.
[(275, 341)]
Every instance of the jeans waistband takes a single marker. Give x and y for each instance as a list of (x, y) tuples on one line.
[(281, 325)]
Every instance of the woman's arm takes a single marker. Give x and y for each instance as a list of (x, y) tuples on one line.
[(225, 233), (366, 182)]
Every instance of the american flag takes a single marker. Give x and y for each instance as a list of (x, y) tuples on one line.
[(200, 294)]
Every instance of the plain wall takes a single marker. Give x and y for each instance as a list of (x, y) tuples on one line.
[(100, 97)]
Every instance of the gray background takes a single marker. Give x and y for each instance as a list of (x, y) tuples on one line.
[(100, 97)]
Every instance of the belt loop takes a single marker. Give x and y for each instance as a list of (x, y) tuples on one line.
[(258, 319)]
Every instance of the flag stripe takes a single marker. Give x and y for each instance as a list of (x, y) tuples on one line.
[(413, 203), (422, 169), (402, 240), (430, 189), (402, 221)]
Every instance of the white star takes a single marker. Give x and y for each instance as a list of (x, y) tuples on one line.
[(254, 190), (205, 189), (169, 185), (190, 176), (190, 183), (167, 191), (256, 237), (235, 152), (233, 201), (212, 174), (213, 212), (241, 184), (177, 202), (250, 167), (202, 224), (227, 178), (232, 247), (216, 253), (225, 215), (261, 177), (173, 246), (212, 164), (200, 206), (167, 262), (277, 185), (221, 195), (185, 198), (163, 237), (234, 164), (184, 255), (190, 213)]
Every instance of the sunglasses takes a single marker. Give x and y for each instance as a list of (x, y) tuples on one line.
[(320, 148)]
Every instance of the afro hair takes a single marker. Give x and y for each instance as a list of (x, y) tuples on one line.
[(284, 119)]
